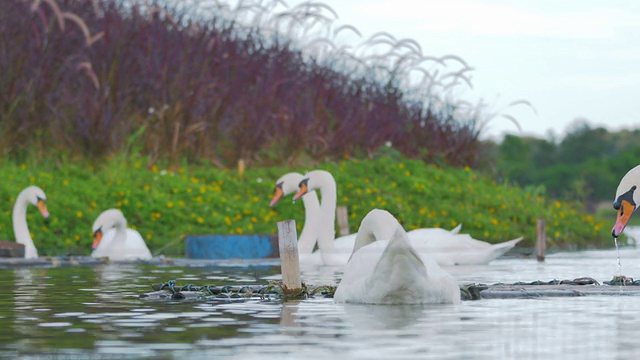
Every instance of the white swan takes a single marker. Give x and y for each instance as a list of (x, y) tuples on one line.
[(323, 182), (114, 240), (288, 184), (385, 269), (626, 200), (30, 195), (446, 247)]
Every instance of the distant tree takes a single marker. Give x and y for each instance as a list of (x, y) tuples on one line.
[(514, 162), (583, 143)]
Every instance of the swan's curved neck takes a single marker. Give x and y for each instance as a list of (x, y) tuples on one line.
[(327, 231), (376, 225), (20, 228), (309, 234)]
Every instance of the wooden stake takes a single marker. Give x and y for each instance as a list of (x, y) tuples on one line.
[(541, 244), (343, 220), (240, 168), (289, 262)]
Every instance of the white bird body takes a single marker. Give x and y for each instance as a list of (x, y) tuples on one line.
[(446, 247), (385, 269), (116, 241), (31, 195)]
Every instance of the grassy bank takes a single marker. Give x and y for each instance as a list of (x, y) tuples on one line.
[(165, 205)]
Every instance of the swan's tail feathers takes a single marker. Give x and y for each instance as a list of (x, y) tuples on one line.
[(398, 246), (499, 249), (456, 230), (399, 272)]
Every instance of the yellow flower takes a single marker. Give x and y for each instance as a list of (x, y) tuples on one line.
[(200, 220), (65, 182), (149, 236), (170, 204), (77, 237), (227, 220), (79, 214), (147, 187)]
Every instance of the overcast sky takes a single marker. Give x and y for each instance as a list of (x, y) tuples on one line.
[(571, 58)]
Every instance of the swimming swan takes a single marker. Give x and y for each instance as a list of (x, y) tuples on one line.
[(626, 200), (385, 269), (31, 195), (446, 247), (114, 240)]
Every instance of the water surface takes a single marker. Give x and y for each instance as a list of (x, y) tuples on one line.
[(96, 312)]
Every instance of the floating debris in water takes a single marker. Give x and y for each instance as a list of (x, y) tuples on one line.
[(170, 290)]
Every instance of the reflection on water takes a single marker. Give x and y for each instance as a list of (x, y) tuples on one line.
[(96, 312)]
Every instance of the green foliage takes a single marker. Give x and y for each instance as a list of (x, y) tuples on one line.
[(165, 205), (585, 166)]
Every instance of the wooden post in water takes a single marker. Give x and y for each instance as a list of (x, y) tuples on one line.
[(343, 220), (289, 262), (541, 244)]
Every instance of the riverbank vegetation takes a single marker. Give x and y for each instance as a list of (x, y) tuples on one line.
[(164, 205)]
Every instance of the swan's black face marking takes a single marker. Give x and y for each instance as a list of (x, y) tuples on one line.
[(304, 184), (303, 189), (628, 197), (625, 206), (278, 186)]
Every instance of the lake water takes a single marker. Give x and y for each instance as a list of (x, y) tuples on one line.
[(96, 312)]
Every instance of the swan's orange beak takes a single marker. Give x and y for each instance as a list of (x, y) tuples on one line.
[(624, 214), (42, 206), (97, 236), (303, 190), (277, 195)]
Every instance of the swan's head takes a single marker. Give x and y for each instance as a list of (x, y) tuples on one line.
[(36, 197), (109, 219), (314, 180), (626, 200), (287, 184)]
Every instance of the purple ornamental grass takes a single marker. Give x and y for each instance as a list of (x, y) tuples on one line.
[(93, 73)]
